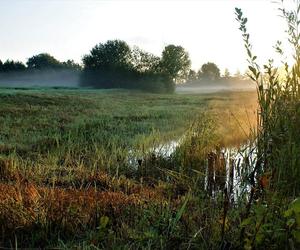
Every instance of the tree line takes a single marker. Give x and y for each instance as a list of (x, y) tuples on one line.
[(42, 61), (114, 64)]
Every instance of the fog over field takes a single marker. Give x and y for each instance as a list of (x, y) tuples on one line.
[(71, 79), (47, 78), (215, 87)]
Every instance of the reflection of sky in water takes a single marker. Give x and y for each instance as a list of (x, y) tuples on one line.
[(242, 158)]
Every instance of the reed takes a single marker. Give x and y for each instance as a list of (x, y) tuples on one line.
[(278, 134)]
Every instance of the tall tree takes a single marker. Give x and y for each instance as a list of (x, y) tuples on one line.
[(143, 61), (43, 61), (227, 73), (109, 65), (176, 63), (209, 71), (114, 54)]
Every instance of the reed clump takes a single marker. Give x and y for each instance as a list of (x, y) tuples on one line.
[(278, 91)]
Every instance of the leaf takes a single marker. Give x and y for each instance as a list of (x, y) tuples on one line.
[(290, 223), (246, 222), (249, 53), (296, 234), (298, 219), (259, 238), (253, 70), (295, 205), (103, 222)]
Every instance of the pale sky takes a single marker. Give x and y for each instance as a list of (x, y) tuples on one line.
[(68, 29)]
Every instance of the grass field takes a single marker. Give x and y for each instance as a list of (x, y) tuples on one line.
[(67, 180), (94, 127)]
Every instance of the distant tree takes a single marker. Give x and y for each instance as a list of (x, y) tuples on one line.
[(114, 54), (175, 62), (70, 64), (227, 73), (192, 75), (10, 65), (43, 61), (143, 61), (109, 65), (1, 66), (238, 74), (114, 65), (209, 71)]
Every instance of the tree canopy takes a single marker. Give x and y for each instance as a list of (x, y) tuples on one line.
[(115, 65), (70, 64), (175, 62), (43, 61), (144, 61), (10, 65), (209, 71), (114, 54)]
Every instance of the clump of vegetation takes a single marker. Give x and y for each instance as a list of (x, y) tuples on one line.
[(276, 171), (115, 65), (278, 97)]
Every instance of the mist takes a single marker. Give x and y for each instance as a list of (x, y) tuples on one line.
[(216, 86), (41, 78)]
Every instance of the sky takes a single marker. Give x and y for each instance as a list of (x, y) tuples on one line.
[(207, 29)]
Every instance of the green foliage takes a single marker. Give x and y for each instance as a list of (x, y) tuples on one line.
[(71, 65), (209, 71), (293, 220), (175, 62), (144, 61), (45, 61), (115, 65), (112, 55), (278, 97), (12, 66), (42, 62)]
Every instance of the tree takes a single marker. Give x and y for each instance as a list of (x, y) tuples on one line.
[(192, 76), (114, 65), (227, 73), (43, 61), (175, 63), (109, 65), (112, 55), (70, 64), (11, 65), (238, 74), (1, 66), (209, 71), (143, 61)]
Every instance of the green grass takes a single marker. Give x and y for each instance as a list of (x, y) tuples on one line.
[(96, 128)]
